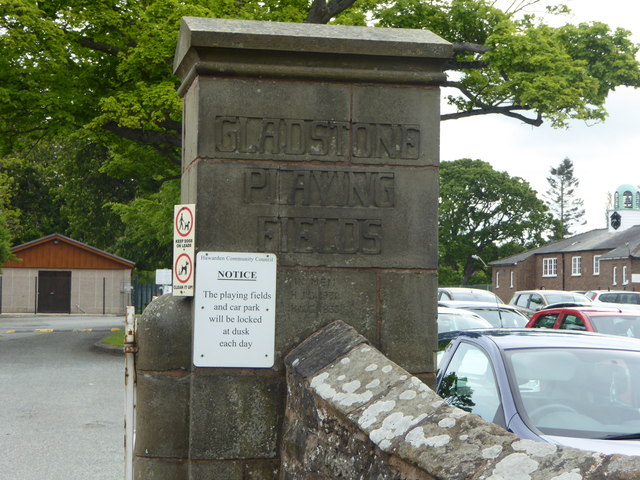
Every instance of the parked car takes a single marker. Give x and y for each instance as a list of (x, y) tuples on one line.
[(596, 318), (577, 389), (451, 321), (455, 319), (498, 314), (614, 296), (467, 294), (530, 301), (567, 304)]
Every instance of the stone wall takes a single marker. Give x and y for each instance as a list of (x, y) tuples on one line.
[(352, 414)]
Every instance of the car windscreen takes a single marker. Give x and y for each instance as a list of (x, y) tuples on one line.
[(501, 318), (623, 325), (577, 392), (477, 296), (565, 297), (449, 322)]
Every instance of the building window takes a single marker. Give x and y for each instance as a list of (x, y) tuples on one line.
[(497, 279), (549, 267), (616, 200), (576, 266), (596, 264), (625, 280), (614, 275), (638, 200), (512, 276), (627, 198), (616, 220)]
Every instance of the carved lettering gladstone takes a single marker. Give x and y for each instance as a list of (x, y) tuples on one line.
[(321, 138)]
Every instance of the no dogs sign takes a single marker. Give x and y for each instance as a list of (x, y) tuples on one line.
[(183, 249), (235, 303)]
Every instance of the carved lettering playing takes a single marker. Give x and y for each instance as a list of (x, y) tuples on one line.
[(321, 188)]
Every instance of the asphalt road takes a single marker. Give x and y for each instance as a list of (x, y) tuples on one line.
[(61, 405), (17, 323)]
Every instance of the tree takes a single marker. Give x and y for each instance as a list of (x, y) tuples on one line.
[(565, 207), (515, 65), (484, 212), (61, 188), (100, 73), (6, 211), (107, 64), (90, 110), (5, 241), (31, 210)]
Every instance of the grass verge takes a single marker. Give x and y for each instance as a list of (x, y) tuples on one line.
[(116, 339)]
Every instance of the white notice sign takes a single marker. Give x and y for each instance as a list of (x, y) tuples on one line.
[(235, 303)]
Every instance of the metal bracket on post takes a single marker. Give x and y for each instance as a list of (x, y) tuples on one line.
[(130, 390)]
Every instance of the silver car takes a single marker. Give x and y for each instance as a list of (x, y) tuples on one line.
[(530, 301)]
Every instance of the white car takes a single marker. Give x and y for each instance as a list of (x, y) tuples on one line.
[(467, 294), (498, 314), (455, 319), (614, 296)]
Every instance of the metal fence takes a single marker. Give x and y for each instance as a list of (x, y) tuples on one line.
[(143, 293)]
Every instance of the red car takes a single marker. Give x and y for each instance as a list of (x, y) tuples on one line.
[(609, 320)]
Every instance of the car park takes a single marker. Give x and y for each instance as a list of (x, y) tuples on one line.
[(498, 314), (577, 389), (467, 294), (530, 301), (599, 318), (614, 296)]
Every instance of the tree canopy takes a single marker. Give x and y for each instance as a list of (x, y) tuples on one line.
[(93, 80), (486, 213), (511, 63)]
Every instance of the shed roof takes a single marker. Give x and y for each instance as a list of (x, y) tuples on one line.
[(59, 252)]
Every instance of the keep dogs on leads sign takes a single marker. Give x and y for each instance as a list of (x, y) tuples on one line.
[(183, 249)]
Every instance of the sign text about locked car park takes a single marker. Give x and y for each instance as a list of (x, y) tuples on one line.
[(234, 322)]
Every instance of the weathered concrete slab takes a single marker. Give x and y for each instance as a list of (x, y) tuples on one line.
[(234, 47)]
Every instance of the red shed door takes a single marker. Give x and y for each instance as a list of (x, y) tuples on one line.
[(54, 292)]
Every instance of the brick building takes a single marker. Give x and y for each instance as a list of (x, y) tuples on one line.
[(601, 259)]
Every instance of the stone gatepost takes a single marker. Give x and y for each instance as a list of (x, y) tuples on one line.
[(318, 144)]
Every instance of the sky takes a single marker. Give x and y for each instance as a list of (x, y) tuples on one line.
[(604, 155)]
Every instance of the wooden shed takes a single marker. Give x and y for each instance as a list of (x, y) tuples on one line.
[(56, 274)]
